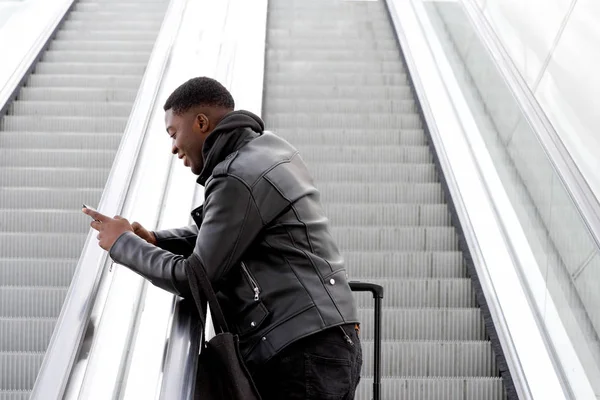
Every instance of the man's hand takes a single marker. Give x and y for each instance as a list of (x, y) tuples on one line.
[(142, 232), (109, 228)]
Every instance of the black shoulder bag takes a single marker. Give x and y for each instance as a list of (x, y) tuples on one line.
[(221, 372)]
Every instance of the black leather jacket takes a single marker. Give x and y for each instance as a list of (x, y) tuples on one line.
[(263, 239)]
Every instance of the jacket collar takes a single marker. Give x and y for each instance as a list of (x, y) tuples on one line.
[(235, 130)]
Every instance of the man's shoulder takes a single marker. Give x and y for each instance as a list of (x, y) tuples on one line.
[(254, 160)]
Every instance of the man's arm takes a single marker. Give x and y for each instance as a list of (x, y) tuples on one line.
[(231, 223), (179, 241)]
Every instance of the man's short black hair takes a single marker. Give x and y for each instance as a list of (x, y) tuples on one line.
[(202, 91)]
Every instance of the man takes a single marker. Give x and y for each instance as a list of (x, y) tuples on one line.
[(265, 243)]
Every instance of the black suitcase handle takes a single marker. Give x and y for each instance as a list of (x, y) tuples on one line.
[(377, 291)]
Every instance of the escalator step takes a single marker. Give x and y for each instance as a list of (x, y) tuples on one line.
[(355, 215), (353, 137), (63, 124), (342, 106), (404, 265), (18, 370), (37, 272), (80, 68), (53, 177), (44, 221), (365, 154), (343, 172), (432, 358), (330, 91), (338, 78), (48, 197), (34, 141), (36, 302), (313, 67), (77, 94), (423, 293), (68, 109), (426, 193), (85, 81), (396, 238), (95, 56), (425, 324), (325, 121), (104, 35), (25, 334), (49, 245), (434, 388)]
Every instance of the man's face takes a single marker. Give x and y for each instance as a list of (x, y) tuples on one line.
[(188, 131)]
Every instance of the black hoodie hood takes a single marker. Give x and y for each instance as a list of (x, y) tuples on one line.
[(235, 130)]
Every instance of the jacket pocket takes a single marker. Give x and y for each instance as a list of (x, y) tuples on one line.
[(251, 281), (252, 319)]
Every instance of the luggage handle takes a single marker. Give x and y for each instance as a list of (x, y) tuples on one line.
[(377, 291)]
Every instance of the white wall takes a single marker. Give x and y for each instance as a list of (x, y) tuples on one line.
[(555, 44)]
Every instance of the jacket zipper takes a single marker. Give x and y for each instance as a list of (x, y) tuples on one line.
[(252, 282), (348, 340)]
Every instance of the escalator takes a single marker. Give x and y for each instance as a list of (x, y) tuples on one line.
[(337, 88), (57, 144)]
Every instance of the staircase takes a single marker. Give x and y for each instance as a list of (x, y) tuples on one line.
[(57, 145), (337, 89)]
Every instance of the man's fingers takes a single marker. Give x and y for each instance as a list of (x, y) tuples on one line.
[(95, 214), (117, 217), (97, 225)]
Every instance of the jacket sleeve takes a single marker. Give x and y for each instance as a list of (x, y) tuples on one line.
[(231, 223), (178, 241)]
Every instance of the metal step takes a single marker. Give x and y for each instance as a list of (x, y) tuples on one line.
[(37, 272), (366, 154), (350, 106), (338, 78), (392, 172), (324, 121), (56, 221), (133, 25), (392, 214), (25, 334), (396, 238), (18, 370), (434, 358), (68, 109), (332, 55), (33, 141), (63, 124), (48, 197), (353, 137), (103, 35), (434, 388), (332, 92), (108, 45), (90, 69), (54, 177), (41, 245), (85, 81), (366, 66), (95, 56), (423, 293), (77, 94), (37, 302), (352, 193), (425, 324), (404, 265)]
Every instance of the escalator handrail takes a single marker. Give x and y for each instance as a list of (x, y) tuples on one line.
[(83, 292)]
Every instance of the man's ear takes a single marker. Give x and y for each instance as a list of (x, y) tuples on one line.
[(203, 123)]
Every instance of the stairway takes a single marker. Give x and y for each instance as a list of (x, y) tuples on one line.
[(57, 145), (336, 88)]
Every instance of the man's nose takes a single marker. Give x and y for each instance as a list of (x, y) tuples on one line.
[(174, 150)]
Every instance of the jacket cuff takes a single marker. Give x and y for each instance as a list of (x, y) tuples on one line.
[(121, 251)]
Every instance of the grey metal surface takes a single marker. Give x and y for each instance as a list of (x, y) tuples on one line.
[(57, 144), (335, 87)]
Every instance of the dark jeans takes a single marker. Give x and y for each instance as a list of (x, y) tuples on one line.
[(323, 366)]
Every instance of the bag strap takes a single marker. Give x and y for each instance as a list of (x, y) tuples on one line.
[(196, 274)]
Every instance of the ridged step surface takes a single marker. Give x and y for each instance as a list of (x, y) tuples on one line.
[(57, 145), (336, 88)]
